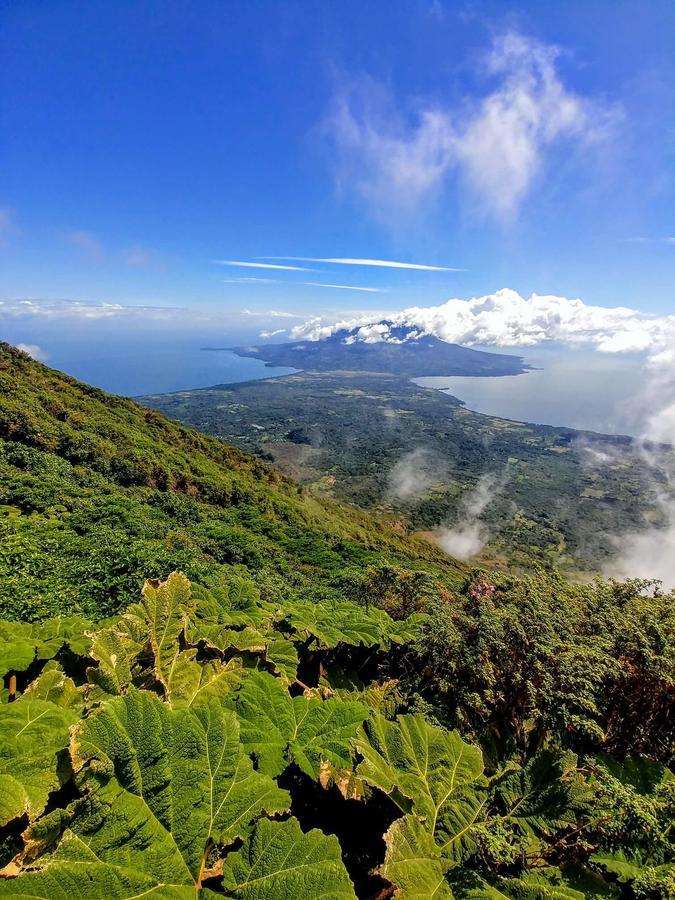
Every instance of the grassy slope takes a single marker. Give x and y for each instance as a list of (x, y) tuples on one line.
[(97, 493)]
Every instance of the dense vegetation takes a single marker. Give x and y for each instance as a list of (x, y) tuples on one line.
[(561, 495), (97, 494), (208, 742), (323, 709)]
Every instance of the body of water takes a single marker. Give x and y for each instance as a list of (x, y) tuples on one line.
[(595, 392)]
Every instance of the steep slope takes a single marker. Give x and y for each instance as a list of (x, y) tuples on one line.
[(97, 494), (229, 737)]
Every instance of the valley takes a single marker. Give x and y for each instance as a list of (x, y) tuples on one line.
[(562, 496)]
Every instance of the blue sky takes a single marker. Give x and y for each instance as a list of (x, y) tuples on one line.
[(530, 146)]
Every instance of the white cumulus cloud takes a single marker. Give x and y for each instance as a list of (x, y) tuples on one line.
[(507, 319)]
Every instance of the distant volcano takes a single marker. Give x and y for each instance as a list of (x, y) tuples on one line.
[(404, 351)]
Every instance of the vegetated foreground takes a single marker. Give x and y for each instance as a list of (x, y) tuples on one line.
[(559, 496), (355, 728)]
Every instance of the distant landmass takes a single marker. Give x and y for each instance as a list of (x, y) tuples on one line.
[(404, 353)]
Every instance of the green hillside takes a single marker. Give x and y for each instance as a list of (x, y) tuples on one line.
[(300, 702), (97, 494)]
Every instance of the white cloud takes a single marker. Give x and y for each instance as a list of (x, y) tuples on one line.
[(86, 242), (468, 538), (378, 263), (34, 350), (650, 553), (259, 265), (345, 287), (270, 314), (495, 144), (249, 280), (414, 473), (269, 334), (64, 309), (507, 319)]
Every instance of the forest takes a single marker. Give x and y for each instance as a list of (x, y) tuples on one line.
[(217, 682)]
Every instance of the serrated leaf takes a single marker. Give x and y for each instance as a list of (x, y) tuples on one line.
[(197, 684), (166, 606), (32, 735), (428, 771), (543, 796), (161, 786), (21, 643), (283, 657), (335, 623), (643, 774), (278, 729), (280, 862), (412, 862), (17, 647), (233, 604), (55, 686), (115, 649)]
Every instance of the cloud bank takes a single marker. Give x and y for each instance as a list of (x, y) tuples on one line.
[(495, 145), (650, 553), (507, 319)]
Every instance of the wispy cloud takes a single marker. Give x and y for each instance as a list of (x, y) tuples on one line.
[(269, 334), (345, 287), (270, 314), (650, 240), (250, 279), (86, 242), (377, 263), (259, 265), (399, 159)]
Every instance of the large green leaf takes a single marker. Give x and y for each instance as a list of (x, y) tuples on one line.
[(115, 648), (283, 657), (197, 684), (161, 787), (280, 862), (543, 796), (21, 643), (165, 607), (335, 623), (17, 647), (428, 771), (235, 603), (413, 863), (33, 734), (54, 685), (278, 729)]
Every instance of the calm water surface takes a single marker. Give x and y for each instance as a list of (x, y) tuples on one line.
[(588, 391)]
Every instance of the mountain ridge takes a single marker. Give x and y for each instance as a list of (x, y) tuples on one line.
[(410, 352)]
